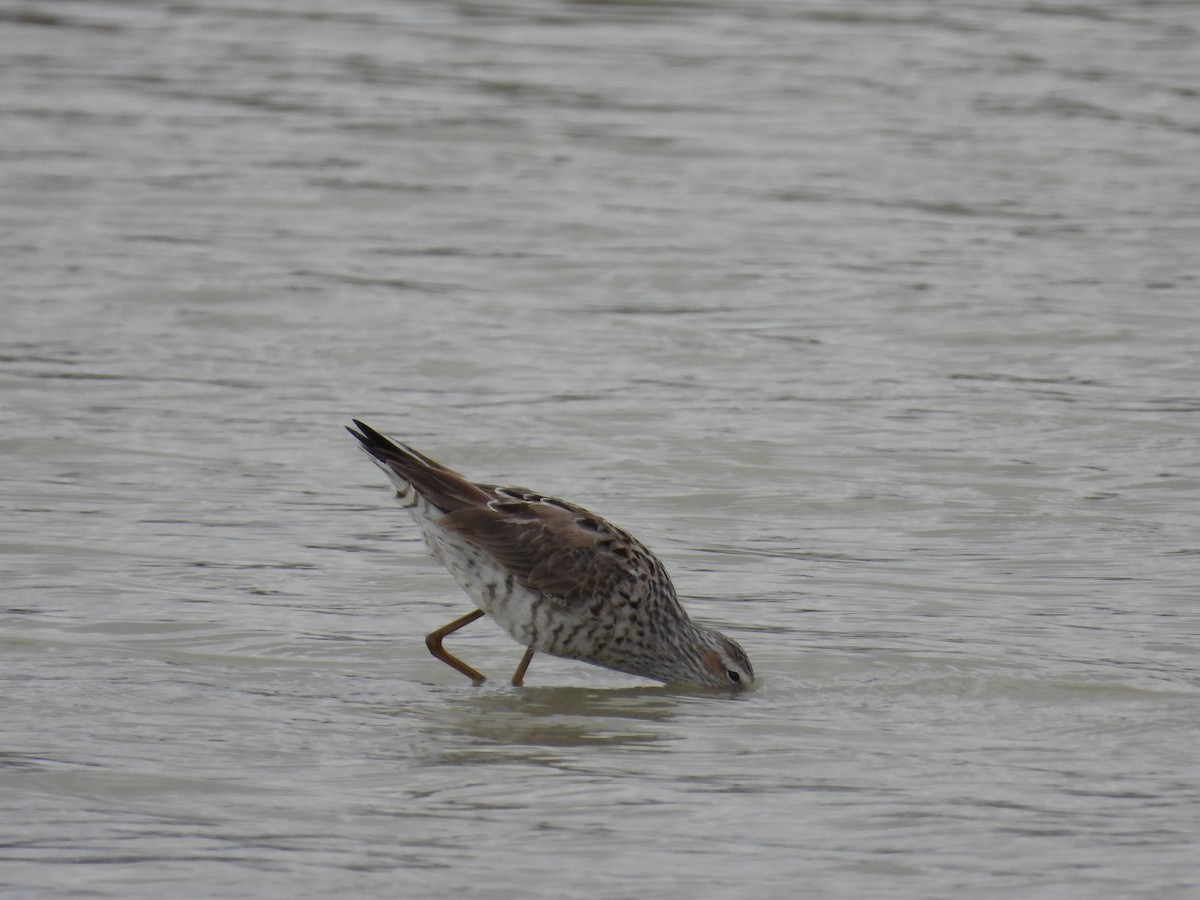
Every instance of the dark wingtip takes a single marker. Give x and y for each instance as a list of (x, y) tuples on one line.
[(368, 433), (443, 487), (375, 443)]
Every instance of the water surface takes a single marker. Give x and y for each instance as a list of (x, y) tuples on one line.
[(877, 321)]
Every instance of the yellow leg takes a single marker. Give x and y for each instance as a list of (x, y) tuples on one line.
[(434, 642), (519, 675)]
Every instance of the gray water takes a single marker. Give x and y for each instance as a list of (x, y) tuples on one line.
[(877, 320)]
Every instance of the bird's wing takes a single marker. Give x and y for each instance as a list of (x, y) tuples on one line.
[(441, 486), (555, 547)]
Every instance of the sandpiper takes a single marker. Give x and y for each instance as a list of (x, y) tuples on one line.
[(559, 579)]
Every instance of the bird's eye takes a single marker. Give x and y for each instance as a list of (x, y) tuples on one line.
[(734, 676)]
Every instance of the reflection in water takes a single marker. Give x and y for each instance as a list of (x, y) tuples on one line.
[(533, 721)]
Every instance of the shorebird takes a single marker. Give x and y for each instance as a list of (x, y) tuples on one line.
[(559, 579)]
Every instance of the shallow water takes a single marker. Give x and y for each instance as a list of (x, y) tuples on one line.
[(878, 322)]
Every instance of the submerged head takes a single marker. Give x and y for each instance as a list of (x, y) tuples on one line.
[(708, 659), (728, 665)]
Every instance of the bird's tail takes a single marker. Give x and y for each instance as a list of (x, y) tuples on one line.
[(415, 475)]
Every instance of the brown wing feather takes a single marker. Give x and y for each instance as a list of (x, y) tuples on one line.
[(441, 486), (562, 550)]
